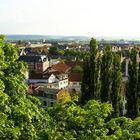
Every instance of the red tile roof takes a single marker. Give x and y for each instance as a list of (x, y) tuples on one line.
[(61, 67), (45, 75), (53, 71), (73, 64), (75, 77)]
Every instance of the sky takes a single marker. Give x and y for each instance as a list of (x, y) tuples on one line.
[(113, 18)]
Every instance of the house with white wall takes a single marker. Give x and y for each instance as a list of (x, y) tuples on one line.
[(56, 80)]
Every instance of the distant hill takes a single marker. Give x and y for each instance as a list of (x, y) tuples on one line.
[(23, 37), (49, 37), (66, 38)]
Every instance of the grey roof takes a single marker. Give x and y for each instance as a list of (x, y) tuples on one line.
[(27, 50), (33, 58), (48, 90)]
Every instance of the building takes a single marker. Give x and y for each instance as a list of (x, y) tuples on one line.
[(47, 96), (115, 48), (75, 80), (36, 63), (61, 67), (55, 79)]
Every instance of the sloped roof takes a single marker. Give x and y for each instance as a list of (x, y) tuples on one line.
[(36, 76), (27, 50), (48, 90), (40, 76), (75, 77), (33, 58), (73, 64), (61, 67)]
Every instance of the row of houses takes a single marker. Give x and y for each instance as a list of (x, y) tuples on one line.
[(48, 78), (44, 48)]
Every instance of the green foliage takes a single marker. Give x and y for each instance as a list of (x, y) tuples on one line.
[(102, 78), (85, 89), (106, 74), (78, 54), (61, 52), (77, 69), (53, 50), (20, 117), (91, 74), (111, 79), (123, 66), (91, 121), (94, 70), (133, 89), (2, 37), (116, 85)]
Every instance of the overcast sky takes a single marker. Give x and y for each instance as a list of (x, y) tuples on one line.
[(71, 17)]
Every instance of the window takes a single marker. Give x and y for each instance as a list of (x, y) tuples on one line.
[(52, 96), (44, 94), (44, 103), (51, 103), (74, 83)]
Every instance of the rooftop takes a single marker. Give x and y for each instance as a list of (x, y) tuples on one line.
[(33, 58), (61, 67), (75, 77)]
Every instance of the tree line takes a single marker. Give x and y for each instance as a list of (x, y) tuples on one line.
[(102, 80)]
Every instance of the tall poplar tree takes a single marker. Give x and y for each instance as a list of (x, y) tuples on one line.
[(133, 87), (116, 85), (133, 82), (85, 90), (106, 74), (94, 70), (91, 75), (138, 94)]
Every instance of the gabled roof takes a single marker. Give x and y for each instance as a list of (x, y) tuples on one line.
[(50, 70), (33, 58), (48, 90), (73, 64), (46, 75), (61, 67), (75, 77), (40, 76), (27, 50), (36, 76)]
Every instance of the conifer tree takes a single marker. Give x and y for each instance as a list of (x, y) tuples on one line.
[(116, 85), (86, 95), (91, 75), (138, 94), (94, 70), (132, 92), (106, 75)]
